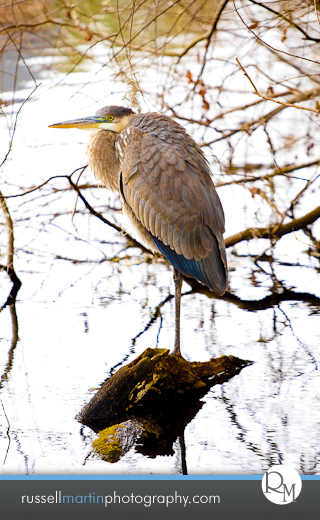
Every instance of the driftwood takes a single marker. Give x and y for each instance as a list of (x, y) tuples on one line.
[(149, 402)]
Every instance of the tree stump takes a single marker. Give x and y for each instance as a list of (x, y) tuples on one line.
[(149, 402)]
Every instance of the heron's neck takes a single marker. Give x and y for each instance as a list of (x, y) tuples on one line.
[(103, 160)]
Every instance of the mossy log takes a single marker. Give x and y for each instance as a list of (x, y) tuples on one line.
[(116, 441), (159, 392)]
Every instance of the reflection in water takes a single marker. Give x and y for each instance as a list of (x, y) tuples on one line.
[(8, 433), (268, 302), (11, 303), (8, 366), (247, 424), (182, 443)]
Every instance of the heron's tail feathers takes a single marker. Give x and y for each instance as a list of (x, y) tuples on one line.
[(210, 271)]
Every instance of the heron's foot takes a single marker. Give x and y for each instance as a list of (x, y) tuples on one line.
[(177, 352)]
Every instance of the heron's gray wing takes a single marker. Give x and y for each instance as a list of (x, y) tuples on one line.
[(170, 192)]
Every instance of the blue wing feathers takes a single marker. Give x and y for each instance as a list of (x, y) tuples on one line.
[(210, 270)]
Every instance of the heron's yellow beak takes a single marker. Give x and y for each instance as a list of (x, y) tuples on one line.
[(86, 123)]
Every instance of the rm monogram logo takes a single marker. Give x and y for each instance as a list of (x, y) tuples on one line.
[(281, 484)]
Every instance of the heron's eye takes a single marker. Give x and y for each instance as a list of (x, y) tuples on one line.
[(110, 118)]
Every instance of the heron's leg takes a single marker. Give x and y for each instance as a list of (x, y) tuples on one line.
[(177, 276)]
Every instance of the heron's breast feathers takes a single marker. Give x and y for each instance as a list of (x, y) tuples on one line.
[(103, 160)]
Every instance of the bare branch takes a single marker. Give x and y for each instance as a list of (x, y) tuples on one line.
[(274, 231), (256, 123), (16, 283), (9, 225), (279, 171), (267, 44), (290, 22), (15, 125)]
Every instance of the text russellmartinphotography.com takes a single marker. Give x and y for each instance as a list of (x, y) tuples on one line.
[(146, 500)]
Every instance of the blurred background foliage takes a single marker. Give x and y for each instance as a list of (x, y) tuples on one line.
[(153, 27)]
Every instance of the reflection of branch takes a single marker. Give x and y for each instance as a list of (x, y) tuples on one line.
[(183, 454), (8, 434), (268, 302), (155, 315), (267, 98), (272, 300), (256, 305), (16, 284), (275, 231)]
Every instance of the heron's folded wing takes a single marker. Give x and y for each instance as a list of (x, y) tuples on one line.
[(173, 197)]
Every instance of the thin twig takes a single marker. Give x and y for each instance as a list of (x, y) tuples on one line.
[(43, 184), (316, 11), (267, 98), (290, 22), (15, 125), (297, 197), (208, 37), (267, 44), (101, 217)]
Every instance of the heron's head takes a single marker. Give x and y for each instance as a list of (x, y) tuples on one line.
[(108, 118)]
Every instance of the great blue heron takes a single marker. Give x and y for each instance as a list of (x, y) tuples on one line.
[(167, 192)]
